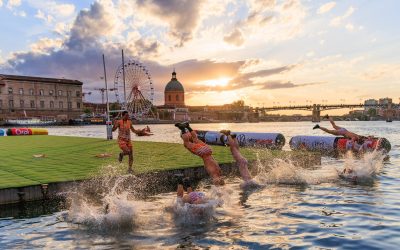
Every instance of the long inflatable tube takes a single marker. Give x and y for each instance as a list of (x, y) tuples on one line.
[(39, 131), (23, 131), (266, 140), (330, 144)]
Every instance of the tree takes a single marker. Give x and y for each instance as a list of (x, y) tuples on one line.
[(87, 111), (238, 105), (372, 112)]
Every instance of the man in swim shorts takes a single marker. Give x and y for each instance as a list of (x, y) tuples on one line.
[(125, 127), (199, 148), (241, 161), (339, 131)]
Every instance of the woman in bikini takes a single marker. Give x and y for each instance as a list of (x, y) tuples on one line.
[(191, 197), (339, 131)]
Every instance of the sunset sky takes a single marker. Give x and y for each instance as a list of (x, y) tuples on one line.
[(264, 52)]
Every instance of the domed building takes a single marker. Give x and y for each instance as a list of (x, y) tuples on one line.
[(174, 102), (174, 93)]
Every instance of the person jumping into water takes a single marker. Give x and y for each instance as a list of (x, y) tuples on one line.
[(339, 131), (199, 148), (191, 197), (125, 127), (241, 161)]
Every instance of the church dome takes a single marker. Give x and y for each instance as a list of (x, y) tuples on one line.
[(174, 84)]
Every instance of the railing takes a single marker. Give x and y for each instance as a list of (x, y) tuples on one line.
[(329, 106)]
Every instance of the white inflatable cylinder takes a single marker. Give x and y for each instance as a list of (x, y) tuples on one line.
[(330, 144), (267, 140), (314, 143)]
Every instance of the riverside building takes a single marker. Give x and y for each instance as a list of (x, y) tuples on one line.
[(174, 107), (28, 96)]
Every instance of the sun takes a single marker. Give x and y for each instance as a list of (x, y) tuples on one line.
[(221, 82)]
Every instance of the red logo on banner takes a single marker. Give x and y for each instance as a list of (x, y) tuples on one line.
[(21, 131)]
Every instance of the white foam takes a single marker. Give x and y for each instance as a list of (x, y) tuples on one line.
[(105, 203), (365, 167), (193, 214), (285, 172)]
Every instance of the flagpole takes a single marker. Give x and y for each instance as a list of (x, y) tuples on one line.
[(123, 75)]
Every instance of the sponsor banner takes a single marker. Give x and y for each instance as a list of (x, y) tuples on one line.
[(366, 146), (267, 140), (21, 131), (329, 144), (313, 143)]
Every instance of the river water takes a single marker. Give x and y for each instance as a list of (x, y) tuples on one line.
[(313, 209)]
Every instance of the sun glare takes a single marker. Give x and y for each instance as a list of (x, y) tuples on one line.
[(223, 81)]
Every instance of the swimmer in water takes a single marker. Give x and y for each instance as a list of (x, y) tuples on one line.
[(241, 161), (339, 131), (191, 197), (144, 132), (199, 148)]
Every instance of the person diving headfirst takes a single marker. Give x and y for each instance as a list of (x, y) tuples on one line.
[(197, 147), (241, 161)]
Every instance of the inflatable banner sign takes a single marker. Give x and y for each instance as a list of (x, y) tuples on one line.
[(329, 144), (20, 131), (267, 140), (23, 131)]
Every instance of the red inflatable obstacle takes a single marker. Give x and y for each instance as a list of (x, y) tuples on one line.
[(24, 131), (330, 144), (19, 131)]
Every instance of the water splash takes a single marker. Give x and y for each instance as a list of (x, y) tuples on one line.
[(106, 202), (284, 171), (365, 167), (185, 214)]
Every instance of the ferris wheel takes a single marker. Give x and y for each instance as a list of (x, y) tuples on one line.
[(138, 94)]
